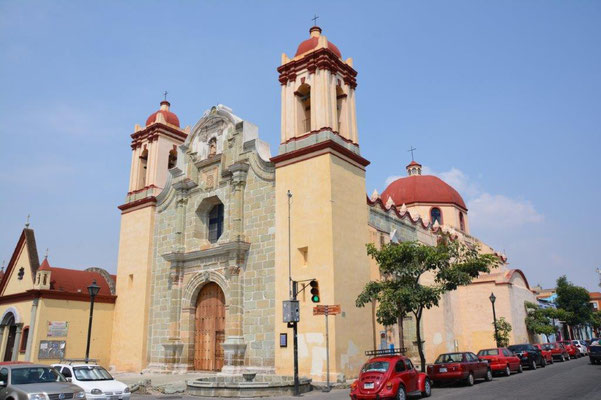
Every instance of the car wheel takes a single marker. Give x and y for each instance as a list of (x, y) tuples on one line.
[(488, 376), (520, 369), (470, 380), (533, 365), (507, 371), (563, 358), (543, 363), (401, 394), (551, 361), (427, 389)]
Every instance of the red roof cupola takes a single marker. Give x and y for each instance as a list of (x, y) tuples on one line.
[(313, 42), (167, 115)]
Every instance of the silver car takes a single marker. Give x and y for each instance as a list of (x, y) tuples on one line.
[(20, 381)]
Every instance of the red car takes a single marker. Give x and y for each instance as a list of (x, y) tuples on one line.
[(572, 350), (545, 352), (501, 360), (465, 367), (390, 377), (558, 351)]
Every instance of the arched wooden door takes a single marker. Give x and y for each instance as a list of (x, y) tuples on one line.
[(210, 328)]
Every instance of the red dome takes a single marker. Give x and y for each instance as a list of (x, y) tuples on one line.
[(422, 189), (312, 42), (170, 117)]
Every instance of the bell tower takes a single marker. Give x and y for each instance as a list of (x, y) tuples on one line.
[(154, 152), (319, 162)]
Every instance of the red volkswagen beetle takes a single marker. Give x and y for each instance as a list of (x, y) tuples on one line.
[(546, 352), (501, 360), (390, 377), (465, 367)]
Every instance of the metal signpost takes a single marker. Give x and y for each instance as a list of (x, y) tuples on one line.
[(327, 310)]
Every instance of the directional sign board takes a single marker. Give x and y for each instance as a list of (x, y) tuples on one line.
[(326, 309)]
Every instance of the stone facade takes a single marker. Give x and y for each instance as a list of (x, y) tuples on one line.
[(222, 161)]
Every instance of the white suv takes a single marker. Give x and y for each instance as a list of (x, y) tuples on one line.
[(95, 380)]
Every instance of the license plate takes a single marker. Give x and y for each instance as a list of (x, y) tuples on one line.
[(368, 385), (442, 370)]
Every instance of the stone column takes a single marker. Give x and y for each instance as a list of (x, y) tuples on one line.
[(2, 341), (234, 347), (34, 313), (174, 346), (15, 356)]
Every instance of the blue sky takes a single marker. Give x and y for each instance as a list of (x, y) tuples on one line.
[(501, 99)]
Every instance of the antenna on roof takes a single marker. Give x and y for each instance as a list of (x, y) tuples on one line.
[(27, 221)]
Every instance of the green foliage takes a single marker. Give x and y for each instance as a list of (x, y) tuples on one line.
[(574, 300), (403, 267), (502, 334), (538, 320), (596, 320)]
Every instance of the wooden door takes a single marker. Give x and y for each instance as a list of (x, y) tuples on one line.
[(210, 328), (8, 354)]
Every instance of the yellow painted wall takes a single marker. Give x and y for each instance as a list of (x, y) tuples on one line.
[(76, 313), (130, 328), (15, 285), (328, 218)]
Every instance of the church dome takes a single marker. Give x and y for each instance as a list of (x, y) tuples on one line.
[(169, 117), (312, 43), (422, 189)]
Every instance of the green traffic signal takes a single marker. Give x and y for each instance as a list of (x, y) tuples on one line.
[(314, 291)]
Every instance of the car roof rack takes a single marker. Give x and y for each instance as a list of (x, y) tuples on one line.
[(386, 352), (71, 361)]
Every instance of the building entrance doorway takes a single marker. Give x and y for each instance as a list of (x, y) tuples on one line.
[(209, 328), (10, 342)]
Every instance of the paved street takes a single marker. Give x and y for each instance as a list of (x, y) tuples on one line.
[(576, 379)]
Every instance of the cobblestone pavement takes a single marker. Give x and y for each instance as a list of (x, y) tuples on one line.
[(576, 379)]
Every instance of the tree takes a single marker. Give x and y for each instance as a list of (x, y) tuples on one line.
[(502, 332), (538, 320), (575, 301), (414, 276)]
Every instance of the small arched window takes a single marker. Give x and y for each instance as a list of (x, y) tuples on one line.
[(435, 215), (461, 221), (142, 169), (303, 96), (172, 159), (215, 223)]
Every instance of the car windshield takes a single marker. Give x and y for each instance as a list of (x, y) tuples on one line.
[(449, 358), (377, 366), (25, 376), (489, 352), (548, 346), (91, 373), (519, 347)]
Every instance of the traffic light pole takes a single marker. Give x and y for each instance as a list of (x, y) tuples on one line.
[(295, 344), (293, 289)]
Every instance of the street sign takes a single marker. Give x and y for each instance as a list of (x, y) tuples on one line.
[(327, 309)]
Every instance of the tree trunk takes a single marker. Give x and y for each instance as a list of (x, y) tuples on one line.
[(401, 335), (418, 334)]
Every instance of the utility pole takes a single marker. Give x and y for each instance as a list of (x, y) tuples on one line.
[(293, 290)]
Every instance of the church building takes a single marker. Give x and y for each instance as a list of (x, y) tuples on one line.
[(213, 228)]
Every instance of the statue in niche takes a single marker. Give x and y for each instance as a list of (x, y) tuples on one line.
[(212, 147)]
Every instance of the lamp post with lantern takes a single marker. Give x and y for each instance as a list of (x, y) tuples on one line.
[(492, 299), (93, 289)]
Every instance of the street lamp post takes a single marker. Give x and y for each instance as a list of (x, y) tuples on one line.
[(93, 289), (492, 299)]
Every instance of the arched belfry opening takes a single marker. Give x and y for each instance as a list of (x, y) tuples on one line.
[(341, 111), (303, 113), (209, 332), (142, 169), (172, 160)]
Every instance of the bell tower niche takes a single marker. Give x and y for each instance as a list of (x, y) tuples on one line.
[(320, 164), (318, 95), (154, 152)]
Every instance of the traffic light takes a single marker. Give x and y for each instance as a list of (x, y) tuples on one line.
[(314, 291)]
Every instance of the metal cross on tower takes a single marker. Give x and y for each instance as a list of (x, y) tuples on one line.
[(315, 20), (411, 150), (165, 95)]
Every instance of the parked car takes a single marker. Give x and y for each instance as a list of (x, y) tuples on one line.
[(95, 380), (558, 351), (594, 353), (572, 350), (26, 381), (589, 342), (501, 360), (390, 376), (454, 367), (581, 346), (545, 352), (529, 355)]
